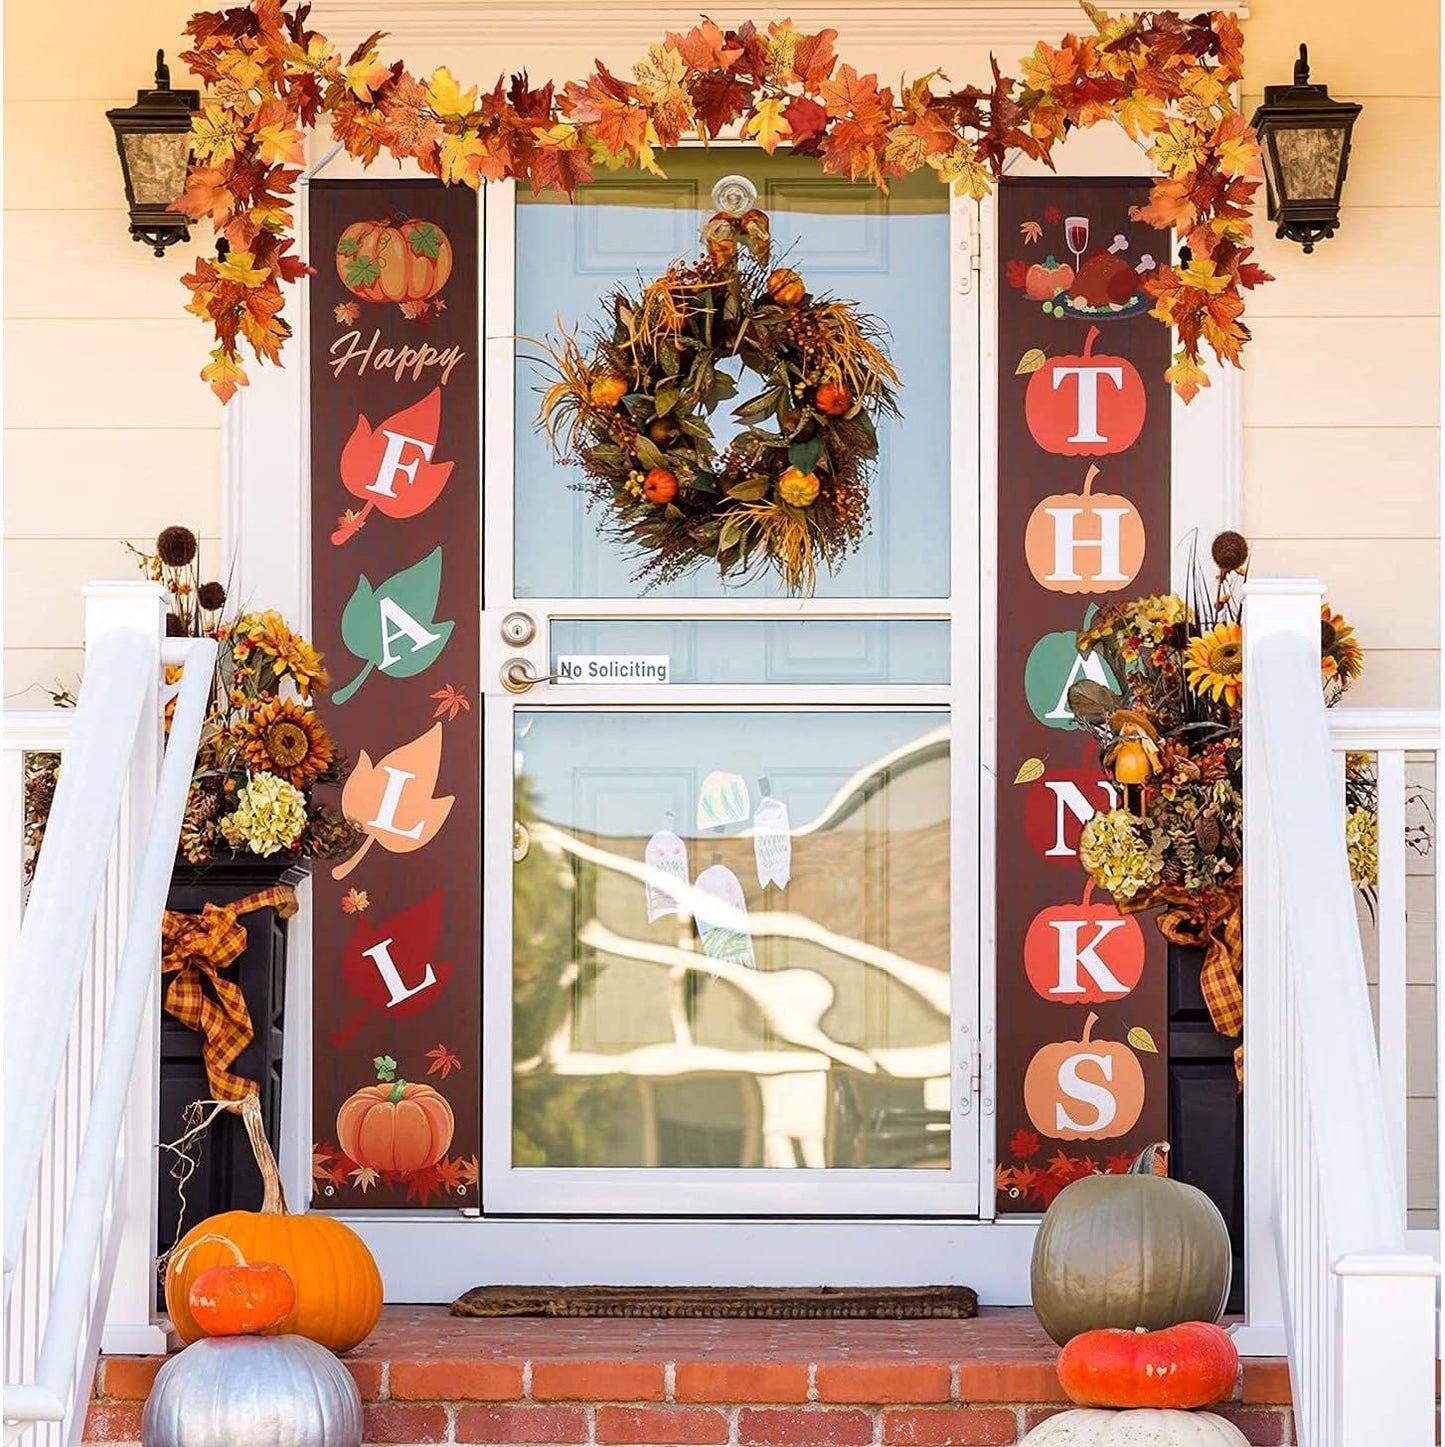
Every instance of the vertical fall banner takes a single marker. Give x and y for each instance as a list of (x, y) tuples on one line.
[(1084, 521), (395, 599)]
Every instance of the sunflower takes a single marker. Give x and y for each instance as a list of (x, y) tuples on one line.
[(290, 654), (1214, 664), (1341, 656), (287, 740)]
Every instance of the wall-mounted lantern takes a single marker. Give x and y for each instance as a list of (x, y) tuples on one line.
[(155, 153), (1305, 136)]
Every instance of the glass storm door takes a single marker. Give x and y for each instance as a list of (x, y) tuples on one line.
[(731, 918)]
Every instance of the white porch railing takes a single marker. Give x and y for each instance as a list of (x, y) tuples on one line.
[(1330, 1277), (78, 1211)]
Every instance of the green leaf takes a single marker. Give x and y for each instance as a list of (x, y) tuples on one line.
[(665, 399), (731, 534), (635, 399), (649, 454), (866, 423), (426, 240), (724, 388), (362, 271), (804, 455), (348, 246), (704, 481), (760, 405), (753, 490), (393, 627)]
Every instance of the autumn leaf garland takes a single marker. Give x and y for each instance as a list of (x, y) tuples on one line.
[(1166, 79)]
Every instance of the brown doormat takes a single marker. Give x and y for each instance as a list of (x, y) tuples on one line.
[(757, 1303)]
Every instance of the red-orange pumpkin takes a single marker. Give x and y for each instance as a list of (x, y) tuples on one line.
[(1190, 1365), (395, 1125), (394, 260), (1086, 405), (1064, 941), (240, 1298)]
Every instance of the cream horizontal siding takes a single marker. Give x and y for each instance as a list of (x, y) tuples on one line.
[(109, 431)]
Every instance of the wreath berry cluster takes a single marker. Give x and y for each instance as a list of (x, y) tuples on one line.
[(636, 410)]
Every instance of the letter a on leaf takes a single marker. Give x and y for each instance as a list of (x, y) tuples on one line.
[(392, 801), (392, 467), (391, 964), (391, 627)]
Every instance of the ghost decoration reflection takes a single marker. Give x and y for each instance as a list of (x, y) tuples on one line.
[(721, 913), (773, 842), (723, 799), (665, 875)]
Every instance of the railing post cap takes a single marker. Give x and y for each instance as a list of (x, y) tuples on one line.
[(1283, 588), (122, 588)]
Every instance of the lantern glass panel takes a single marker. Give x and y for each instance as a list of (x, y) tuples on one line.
[(1309, 162), (157, 165)]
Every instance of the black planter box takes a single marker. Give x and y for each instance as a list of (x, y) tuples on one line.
[(226, 1177)]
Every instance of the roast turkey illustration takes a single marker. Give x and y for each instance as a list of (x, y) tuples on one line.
[(1106, 279)]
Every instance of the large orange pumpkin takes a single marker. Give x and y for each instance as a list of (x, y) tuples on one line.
[(395, 1125), (1085, 542), (1068, 1082), (1190, 1365), (338, 1288), (394, 259), (1086, 405), (1083, 954)]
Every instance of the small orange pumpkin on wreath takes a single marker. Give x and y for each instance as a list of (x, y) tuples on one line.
[(634, 408)]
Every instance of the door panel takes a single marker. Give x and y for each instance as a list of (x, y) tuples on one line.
[(736, 971)]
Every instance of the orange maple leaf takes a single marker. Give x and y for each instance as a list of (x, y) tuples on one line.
[(443, 1062), (451, 702), (355, 901), (392, 801)]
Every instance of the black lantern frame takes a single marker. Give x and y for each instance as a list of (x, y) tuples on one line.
[(1305, 137), (150, 137)]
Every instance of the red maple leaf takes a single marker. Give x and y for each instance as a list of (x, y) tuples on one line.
[(1118, 1165), (422, 1185), (1024, 1143), (410, 937), (1015, 273), (443, 1062)]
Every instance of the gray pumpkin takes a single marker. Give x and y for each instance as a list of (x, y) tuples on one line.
[(1129, 1251), (253, 1391)]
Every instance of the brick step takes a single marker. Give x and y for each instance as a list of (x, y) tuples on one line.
[(429, 1377)]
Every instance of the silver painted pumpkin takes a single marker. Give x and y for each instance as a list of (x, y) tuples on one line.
[(253, 1391)]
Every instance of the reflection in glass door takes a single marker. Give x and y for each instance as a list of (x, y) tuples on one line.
[(736, 968)]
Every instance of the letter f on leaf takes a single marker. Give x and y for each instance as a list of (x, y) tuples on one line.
[(392, 627)]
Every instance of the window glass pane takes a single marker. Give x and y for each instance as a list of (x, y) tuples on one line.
[(664, 1016), (887, 253), (776, 651)]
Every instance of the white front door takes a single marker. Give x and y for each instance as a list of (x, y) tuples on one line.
[(821, 753)]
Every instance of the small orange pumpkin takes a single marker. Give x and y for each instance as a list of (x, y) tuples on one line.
[(1073, 1078), (1085, 542), (338, 1288), (798, 488), (658, 487), (240, 1298), (833, 399), (785, 286), (395, 1125), (1190, 1365), (1086, 405), (607, 390)]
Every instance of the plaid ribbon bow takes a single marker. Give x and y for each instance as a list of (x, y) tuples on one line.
[(1217, 929), (195, 948)]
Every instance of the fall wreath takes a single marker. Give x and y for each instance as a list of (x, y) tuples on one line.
[(636, 410)]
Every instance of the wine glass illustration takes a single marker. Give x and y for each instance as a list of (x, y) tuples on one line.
[(1076, 236)]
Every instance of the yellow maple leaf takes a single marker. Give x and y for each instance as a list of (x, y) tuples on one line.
[(224, 374), (781, 43), (659, 76), (1047, 68), (216, 135), (281, 145), (1202, 84), (1201, 275), (366, 75), (963, 169), (242, 67), (1239, 156), (457, 154), (768, 124), (240, 266), (561, 137), (1177, 150), (446, 97), (1186, 376), (1141, 114), (318, 58)]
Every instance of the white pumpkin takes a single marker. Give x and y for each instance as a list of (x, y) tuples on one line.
[(1135, 1427)]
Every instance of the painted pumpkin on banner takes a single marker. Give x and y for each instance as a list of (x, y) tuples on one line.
[(394, 260), (1084, 954), (1087, 405), (1084, 1089), (1085, 542), (394, 1125), (1137, 1250), (1190, 1365)]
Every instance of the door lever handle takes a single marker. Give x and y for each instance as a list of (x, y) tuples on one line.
[(517, 676)]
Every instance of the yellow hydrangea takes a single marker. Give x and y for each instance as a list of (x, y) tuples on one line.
[(1362, 844), (270, 815), (1115, 855)]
